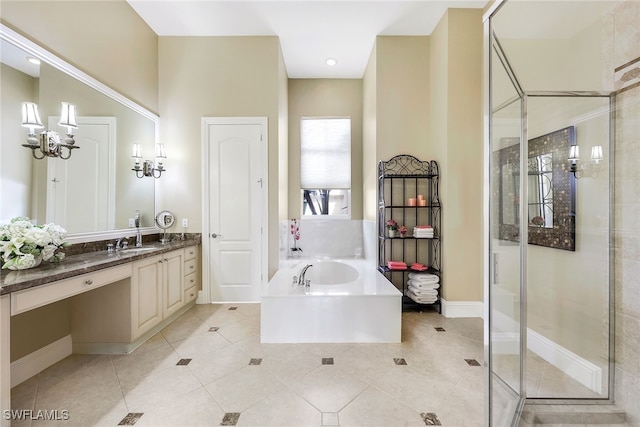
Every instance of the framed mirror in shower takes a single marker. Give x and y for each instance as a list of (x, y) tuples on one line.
[(551, 189)]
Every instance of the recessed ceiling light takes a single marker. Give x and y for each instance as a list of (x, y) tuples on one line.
[(33, 60), (331, 61)]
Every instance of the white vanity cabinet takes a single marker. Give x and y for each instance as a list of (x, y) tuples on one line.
[(191, 274), (146, 295), (157, 290), (173, 282)]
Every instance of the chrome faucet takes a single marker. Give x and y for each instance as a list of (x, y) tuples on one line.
[(120, 244), (138, 238), (301, 280)]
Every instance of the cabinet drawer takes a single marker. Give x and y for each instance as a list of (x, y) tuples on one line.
[(38, 296), (190, 294), (190, 253), (190, 267), (192, 280)]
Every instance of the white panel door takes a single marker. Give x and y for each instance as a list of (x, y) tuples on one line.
[(86, 181), (235, 204)]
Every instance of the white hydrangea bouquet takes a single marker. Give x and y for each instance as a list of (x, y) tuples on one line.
[(24, 245)]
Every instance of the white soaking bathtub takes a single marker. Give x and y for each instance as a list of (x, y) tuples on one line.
[(348, 301)]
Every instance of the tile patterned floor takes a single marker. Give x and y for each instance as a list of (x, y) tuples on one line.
[(208, 368)]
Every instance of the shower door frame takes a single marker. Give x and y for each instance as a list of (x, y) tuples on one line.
[(488, 42)]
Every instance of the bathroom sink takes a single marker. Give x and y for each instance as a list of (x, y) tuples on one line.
[(137, 251)]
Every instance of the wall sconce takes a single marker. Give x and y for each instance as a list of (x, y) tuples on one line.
[(48, 143), (148, 168), (589, 170)]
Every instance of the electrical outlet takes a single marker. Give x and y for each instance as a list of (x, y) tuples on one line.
[(185, 222), (132, 222)]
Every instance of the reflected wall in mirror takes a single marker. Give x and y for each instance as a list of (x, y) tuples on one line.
[(551, 190), (95, 191)]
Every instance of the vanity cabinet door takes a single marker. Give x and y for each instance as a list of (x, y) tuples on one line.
[(173, 272), (146, 294)]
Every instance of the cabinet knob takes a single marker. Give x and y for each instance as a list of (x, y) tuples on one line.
[(88, 282), (192, 280), (191, 267)]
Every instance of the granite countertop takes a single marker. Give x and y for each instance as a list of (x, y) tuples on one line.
[(77, 264)]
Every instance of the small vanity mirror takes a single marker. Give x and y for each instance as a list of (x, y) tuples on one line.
[(164, 220)]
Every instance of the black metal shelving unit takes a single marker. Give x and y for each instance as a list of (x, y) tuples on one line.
[(400, 178)]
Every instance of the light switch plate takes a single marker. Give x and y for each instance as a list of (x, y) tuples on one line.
[(132, 222), (185, 222)]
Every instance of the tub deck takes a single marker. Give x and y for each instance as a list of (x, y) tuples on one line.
[(366, 310)]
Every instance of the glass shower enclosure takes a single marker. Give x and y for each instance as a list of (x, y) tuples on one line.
[(549, 150)]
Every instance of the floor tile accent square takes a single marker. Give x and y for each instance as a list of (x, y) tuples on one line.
[(327, 360), (399, 361), (330, 419), (439, 329), (430, 419), (130, 419), (233, 308), (214, 329), (472, 362), (255, 361), (183, 362), (230, 419)]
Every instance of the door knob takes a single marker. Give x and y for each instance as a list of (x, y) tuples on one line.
[(214, 235)]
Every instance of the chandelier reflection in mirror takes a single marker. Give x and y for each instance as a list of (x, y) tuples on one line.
[(148, 168), (49, 143)]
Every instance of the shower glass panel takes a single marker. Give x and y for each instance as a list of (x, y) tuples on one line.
[(550, 87), (568, 300), (506, 357)]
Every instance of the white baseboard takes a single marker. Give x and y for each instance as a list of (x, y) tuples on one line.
[(36, 362), (576, 367), (462, 308)]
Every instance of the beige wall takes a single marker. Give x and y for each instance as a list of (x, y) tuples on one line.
[(369, 156), (105, 39), (456, 143), (283, 143), (325, 97), (15, 165), (402, 94), (215, 77)]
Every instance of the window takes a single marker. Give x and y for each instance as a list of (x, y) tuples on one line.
[(325, 166)]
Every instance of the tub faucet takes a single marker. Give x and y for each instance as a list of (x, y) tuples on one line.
[(302, 274)]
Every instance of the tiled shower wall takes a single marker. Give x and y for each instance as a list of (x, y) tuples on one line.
[(626, 53)]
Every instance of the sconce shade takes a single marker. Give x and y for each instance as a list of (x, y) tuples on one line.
[(68, 116), (596, 154), (160, 154), (574, 153), (30, 116), (137, 151)]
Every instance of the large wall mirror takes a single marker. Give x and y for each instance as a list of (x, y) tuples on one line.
[(95, 192), (550, 188)]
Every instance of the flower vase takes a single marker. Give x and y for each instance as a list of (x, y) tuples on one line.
[(392, 233), (403, 235)]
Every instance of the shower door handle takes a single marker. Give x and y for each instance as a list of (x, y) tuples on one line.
[(214, 235)]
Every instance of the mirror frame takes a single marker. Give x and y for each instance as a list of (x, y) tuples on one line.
[(563, 233), (43, 54)]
